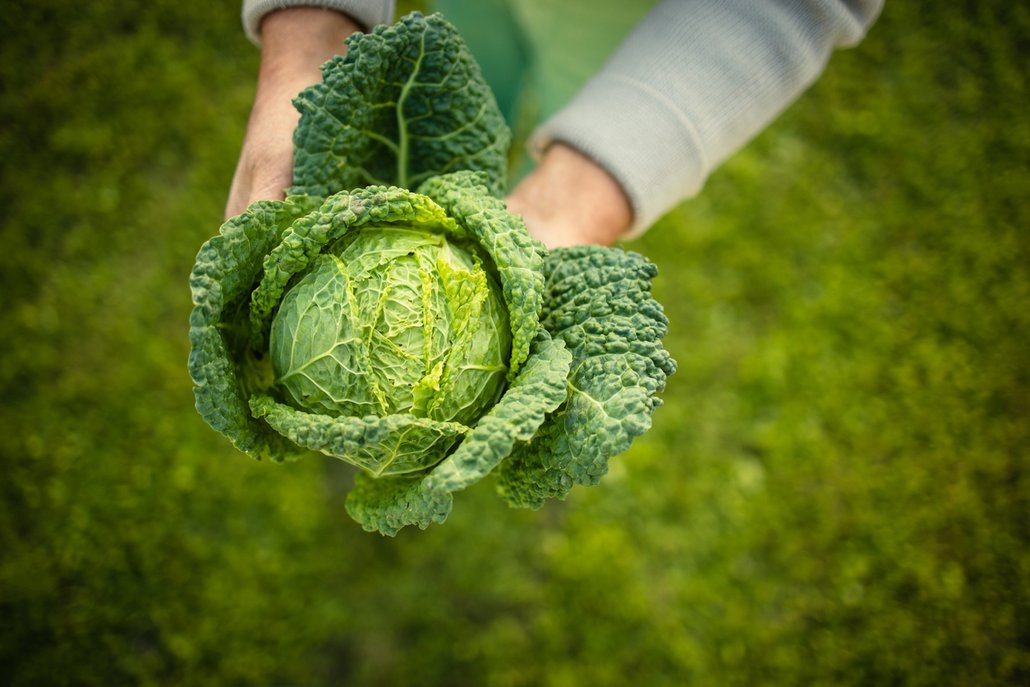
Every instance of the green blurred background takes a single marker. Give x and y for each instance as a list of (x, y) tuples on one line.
[(834, 493)]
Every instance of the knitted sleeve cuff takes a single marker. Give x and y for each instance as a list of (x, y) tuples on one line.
[(367, 13), (642, 139)]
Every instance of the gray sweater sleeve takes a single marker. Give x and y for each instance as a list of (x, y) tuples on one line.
[(694, 82), (368, 13)]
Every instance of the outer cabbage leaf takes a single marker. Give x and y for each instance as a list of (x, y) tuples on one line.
[(598, 303), (221, 365), (407, 102), (517, 256), (388, 504), (390, 445)]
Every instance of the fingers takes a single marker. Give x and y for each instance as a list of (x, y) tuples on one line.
[(263, 173), (239, 191)]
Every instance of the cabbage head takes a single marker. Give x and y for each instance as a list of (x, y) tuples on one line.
[(391, 312)]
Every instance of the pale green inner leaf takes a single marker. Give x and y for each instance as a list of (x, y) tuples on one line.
[(393, 320)]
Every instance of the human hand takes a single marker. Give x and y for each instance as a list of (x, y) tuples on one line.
[(570, 200), (294, 44)]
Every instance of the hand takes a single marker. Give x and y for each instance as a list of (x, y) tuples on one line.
[(570, 200), (294, 44)]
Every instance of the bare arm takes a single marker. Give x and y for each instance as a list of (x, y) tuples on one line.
[(294, 44)]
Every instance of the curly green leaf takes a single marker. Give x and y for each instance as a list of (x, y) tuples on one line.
[(406, 102)]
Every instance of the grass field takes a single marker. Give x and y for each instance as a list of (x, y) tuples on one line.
[(834, 493)]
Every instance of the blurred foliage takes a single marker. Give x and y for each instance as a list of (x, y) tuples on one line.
[(835, 492)]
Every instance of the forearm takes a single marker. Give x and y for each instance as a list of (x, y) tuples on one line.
[(294, 44), (296, 41)]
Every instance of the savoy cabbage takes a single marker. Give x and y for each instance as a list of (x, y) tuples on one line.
[(392, 313)]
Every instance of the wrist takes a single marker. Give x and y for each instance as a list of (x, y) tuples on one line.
[(296, 41), (571, 200)]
